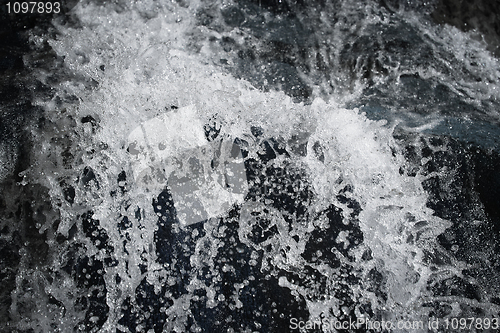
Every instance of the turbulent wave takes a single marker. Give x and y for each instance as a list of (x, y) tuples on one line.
[(337, 159)]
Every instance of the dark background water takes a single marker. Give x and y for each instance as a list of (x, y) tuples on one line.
[(470, 194)]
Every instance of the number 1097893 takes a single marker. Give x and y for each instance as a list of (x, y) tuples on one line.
[(33, 7)]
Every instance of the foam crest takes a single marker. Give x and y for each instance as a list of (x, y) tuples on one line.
[(311, 171)]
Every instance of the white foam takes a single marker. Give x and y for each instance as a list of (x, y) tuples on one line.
[(148, 67), (175, 143)]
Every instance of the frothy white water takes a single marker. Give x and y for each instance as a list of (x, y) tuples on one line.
[(130, 69)]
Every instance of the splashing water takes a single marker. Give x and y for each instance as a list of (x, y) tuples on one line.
[(186, 191)]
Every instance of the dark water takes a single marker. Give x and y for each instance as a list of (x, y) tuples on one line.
[(251, 166)]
